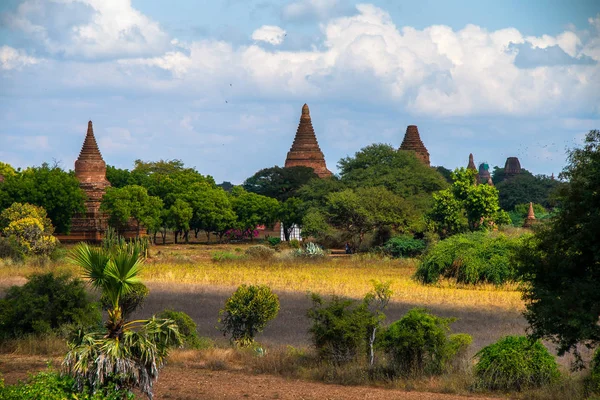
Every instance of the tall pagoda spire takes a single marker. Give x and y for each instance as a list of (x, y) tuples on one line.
[(530, 219), (471, 164), (412, 141), (90, 150), (305, 150)]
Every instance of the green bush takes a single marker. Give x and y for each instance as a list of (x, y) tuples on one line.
[(10, 248), (294, 244), (219, 256), (404, 246), (50, 385), (340, 328), (472, 258), (514, 363), (187, 328), (310, 250), (260, 252), (593, 381), (129, 302), (247, 312), (273, 241), (45, 303), (418, 344)]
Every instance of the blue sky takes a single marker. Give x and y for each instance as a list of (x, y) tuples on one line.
[(221, 84)]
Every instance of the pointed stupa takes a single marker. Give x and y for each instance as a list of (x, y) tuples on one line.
[(90, 168), (412, 142), (305, 150), (530, 219), (471, 164)]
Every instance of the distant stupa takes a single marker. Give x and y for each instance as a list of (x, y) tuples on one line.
[(412, 142), (530, 219), (484, 175), (305, 150), (471, 164), (512, 167)]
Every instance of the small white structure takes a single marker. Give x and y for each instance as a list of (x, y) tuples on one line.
[(294, 234)]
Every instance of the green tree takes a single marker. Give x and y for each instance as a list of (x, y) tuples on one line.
[(179, 217), (52, 188), (291, 212), (253, 209), (561, 265), (118, 177), (212, 211), (125, 353), (131, 202), (525, 188), (279, 183)]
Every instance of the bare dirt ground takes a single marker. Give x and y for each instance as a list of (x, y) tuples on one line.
[(188, 382)]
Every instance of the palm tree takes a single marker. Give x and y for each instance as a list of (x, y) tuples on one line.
[(124, 354)]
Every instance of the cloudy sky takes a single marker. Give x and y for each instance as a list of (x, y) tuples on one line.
[(220, 84)]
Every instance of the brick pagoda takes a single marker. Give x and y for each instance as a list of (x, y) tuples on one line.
[(484, 175), (471, 164), (90, 170), (512, 167), (530, 219), (412, 142), (305, 150)]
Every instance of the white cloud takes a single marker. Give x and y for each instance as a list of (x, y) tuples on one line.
[(302, 9), (89, 28), (270, 34), (11, 58)]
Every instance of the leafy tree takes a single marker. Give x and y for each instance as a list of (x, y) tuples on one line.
[(314, 193), (125, 353), (253, 209), (179, 217), (314, 224), (226, 186), (52, 188), (6, 169), (212, 211), (362, 210), (561, 266), (117, 177), (445, 172), (131, 202), (398, 171), (525, 188), (30, 228), (279, 183), (291, 213), (478, 203)]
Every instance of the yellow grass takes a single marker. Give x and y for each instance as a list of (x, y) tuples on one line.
[(346, 276)]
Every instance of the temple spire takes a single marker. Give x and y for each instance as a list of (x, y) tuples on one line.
[(471, 164), (530, 216), (305, 150), (90, 150), (412, 142)]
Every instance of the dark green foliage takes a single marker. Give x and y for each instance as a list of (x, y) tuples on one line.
[(524, 188), (273, 241), (340, 328), (593, 380), (48, 187), (518, 215), (515, 363), (129, 302), (260, 252), (187, 328), (247, 313), (10, 248), (45, 303), (445, 172), (561, 265), (404, 246), (418, 344), (117, 177), (50, 385), (472, 258), (279, 183)]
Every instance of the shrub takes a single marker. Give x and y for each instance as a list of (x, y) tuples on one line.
[(30, 227), (339, 328), (10, 248), (247, 312), (130, 301), (219, 256), (472, 258), (49, 385), (187, 328), (310, 250), (273, 241), (418, 344), (45, 303), (294, 243), (260, 252), (514, 363), (593, 381), (404, 246)]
